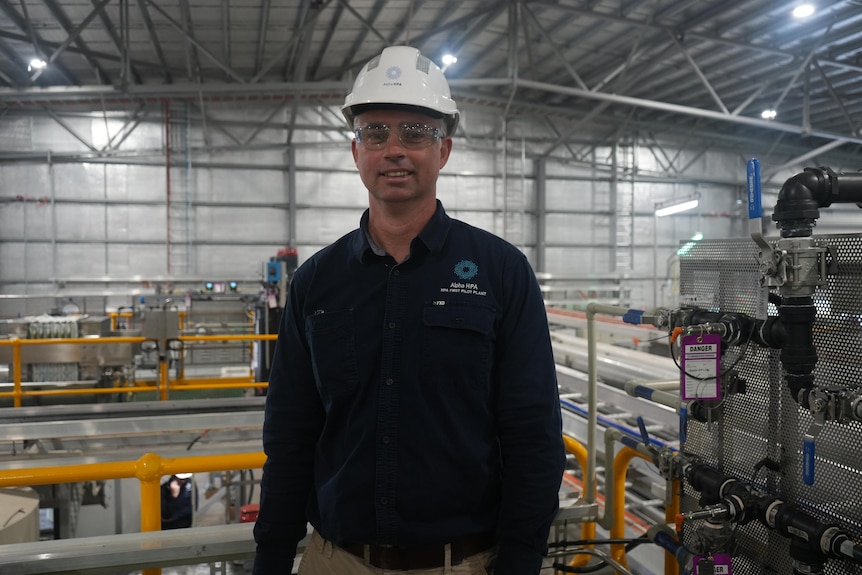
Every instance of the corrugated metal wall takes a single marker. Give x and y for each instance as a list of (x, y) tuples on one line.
[(74, 212)]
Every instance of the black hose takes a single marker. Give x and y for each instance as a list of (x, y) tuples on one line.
[(630, 544), (585, 569)]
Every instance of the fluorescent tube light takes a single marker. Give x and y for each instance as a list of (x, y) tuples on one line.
[(676, 208)]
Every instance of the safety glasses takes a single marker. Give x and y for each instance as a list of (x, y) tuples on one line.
[(411, 136)]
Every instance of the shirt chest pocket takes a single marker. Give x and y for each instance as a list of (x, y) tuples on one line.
[(458, 345), (331, 338)]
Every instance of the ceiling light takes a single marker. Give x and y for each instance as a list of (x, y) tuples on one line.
[(803, 11), (768, 114), (675, 207), (36, 64), (448, 60)]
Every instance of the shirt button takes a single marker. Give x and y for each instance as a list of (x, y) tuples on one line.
[(386, 439), (396, 272), (391, 325), (384, 501), (390, 381)]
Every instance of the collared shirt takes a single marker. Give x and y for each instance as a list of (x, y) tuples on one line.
[(413, 403)]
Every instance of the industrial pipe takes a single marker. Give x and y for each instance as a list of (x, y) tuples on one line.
[(592, 310), (588, 529), (615, 488), (649, 393)]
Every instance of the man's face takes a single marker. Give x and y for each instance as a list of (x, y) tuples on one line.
[(395, 172)]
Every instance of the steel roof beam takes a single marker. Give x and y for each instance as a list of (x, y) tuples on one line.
[(187, 32), (685, 110), (555, 49), (71, 49), (327, 41), (74, 34), (69, 129), (33, 38), (193, 64), (154, 40), (289, 45), (300, 68), (263, 24), (422, 38), (227, 46), (119, 44), (368, 26), (700, 74), (17, 62)]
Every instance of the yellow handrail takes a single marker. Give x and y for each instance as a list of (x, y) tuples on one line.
[(149, 470)]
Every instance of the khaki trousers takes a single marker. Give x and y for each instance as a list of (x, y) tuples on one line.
[(321, 557)]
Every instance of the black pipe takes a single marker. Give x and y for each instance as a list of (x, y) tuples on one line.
[(802, 195), (798, 354), (739, 327), (811, 541)]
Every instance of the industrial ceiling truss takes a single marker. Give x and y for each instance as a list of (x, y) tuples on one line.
[(615, 69)]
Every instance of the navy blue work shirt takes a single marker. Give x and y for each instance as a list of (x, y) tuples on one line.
[(413, 403)]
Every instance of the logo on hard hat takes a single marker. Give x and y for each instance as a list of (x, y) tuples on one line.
[(393, 72)]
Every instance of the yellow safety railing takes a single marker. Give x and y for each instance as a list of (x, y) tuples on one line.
[(149, 470), (114, 315), (621, 464), (162, 385)]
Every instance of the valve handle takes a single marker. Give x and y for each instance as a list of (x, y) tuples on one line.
[(808, 445), (683, 423), (808, 461), (643, 430), (755, 208)]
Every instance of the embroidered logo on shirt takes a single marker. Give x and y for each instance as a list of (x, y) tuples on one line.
[(465, 269)]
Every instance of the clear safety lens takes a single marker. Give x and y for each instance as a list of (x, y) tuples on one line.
[(411, 136)]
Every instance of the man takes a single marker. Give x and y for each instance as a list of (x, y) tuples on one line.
[(177, 502), (412, 415)]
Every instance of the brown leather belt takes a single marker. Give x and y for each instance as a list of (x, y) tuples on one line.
[(424, 557)]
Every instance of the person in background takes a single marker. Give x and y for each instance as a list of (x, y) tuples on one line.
[(177, 501), (413, 415)]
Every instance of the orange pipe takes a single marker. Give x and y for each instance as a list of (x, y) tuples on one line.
[(115, 314), (588, 529), (17, 392), (621, 464), (234, 337), (83, 391), (163, 379)]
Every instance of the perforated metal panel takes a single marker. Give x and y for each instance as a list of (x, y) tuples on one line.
[(764, 421)]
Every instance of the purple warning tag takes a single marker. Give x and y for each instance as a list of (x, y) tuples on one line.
[(718, 564), (700, 362)]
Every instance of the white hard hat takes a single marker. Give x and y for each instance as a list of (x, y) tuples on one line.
[(402, 76), (183, 475)]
